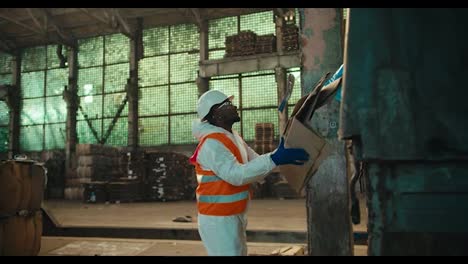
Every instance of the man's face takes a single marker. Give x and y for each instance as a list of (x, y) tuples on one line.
[(227, 111)]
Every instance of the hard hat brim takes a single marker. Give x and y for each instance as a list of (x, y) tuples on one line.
[(230, 98)]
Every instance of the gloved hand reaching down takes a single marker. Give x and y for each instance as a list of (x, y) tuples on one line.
[(282, 155)]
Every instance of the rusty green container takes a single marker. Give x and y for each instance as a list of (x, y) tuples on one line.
[(404, 106)]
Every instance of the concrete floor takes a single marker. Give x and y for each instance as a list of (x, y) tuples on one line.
[(268, 214), (73, 246), (264, 214)]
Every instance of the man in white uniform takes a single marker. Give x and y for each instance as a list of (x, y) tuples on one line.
[(225, 167)]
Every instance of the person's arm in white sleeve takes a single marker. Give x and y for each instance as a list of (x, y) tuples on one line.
[(251, 154), (213, 155)]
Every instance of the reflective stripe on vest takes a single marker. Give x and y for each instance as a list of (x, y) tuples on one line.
[(214, 195)]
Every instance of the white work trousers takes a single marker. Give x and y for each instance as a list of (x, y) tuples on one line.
[(223, 235)]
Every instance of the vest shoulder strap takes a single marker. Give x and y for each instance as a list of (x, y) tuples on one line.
[(221, 137)]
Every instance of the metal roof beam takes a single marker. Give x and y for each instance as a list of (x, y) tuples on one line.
[(129, 31), (113, 20), (42, 28), (19, 23), (64, 36), (197, 16)]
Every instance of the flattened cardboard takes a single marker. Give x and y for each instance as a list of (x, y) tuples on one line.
[(299, 135)]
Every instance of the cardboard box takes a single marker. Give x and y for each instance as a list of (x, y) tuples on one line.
[(298, 134)]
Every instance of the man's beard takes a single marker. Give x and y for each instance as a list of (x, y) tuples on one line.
[(233, 119)]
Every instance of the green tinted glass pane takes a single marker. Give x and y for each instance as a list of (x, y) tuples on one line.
[(118, 136), (112, 103), (117, 48), (154, 101), (252, 117), (258, 73), (259, 91), (4, 114), (32, 84), (260, 23), (90, 52), (90, 81), (55, 136), (184, 67), (31, 138), (224, 77), (84, 132), (298, 20), (5, 63), (296, 92), (153, 131), (4, 137), (156, 41), (290, 110), (33, 59), (56, 109), (153, 71), (5, 78), (53, 60), (216, 54), (181, 129), (295, 69), (219, 29), (184, 98), (184, 37), (56, 81), (116, 77), (228, 87), (92, 106), (32, 111)]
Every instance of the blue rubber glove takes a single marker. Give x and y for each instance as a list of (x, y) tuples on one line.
[(281, 155)]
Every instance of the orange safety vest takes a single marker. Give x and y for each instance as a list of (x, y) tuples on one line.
[(214, 195)]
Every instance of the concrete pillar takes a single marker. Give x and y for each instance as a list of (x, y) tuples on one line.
[(136, 53), (281, 80), (328, 217), (15, 107), (70, 96), (279, 34), (203, 84)]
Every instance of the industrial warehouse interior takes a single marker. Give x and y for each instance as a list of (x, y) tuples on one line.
[(233, 132)]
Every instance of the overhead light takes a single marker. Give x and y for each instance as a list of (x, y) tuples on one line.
[(289, 16)]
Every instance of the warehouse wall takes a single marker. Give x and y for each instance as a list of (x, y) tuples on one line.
[(168, 92), (5, 78), (329, 223)]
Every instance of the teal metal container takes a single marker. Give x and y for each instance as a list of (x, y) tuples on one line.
[(405, 107)]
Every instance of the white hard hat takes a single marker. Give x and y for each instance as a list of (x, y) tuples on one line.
[(208, 99)]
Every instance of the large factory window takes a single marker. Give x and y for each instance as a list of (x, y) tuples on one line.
[(33, 71), (55, 106), (5, 78), (167, 85), (255, 92), (103, 73), (43, 110), (167, 89)]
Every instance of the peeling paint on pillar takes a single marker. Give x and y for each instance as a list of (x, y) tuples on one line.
[(328, 217), (321, 43)]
